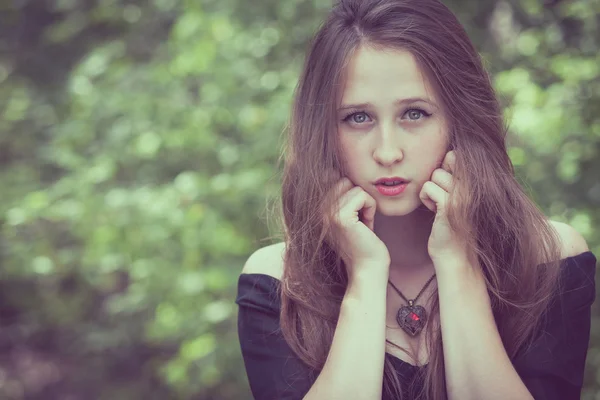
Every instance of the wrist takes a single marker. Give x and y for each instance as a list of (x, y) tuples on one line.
[(367, 280), (460, 279)]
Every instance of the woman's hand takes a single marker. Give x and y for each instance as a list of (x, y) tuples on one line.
[(353, 231), (444, 244)]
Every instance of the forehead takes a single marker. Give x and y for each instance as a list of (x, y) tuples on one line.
[(384, 74)]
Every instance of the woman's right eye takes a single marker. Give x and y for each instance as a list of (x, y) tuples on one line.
[(357, 117)]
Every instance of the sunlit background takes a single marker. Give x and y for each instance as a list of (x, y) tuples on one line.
[(139, 144)]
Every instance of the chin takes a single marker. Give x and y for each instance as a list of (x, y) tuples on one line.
[(394, 208)]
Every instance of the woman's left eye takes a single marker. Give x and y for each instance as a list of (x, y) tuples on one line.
[(416, 113)]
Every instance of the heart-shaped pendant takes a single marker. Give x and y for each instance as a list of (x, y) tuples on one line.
[(412, 319)]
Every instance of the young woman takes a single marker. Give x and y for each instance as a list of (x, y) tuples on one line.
[(413, 264)]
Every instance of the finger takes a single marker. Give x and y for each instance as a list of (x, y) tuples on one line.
[(336, 194), (340, 214), (368, 211), (430, 204), (443, 179), (347, 197), (360, 207), (342, 186), (434, 197), (346, 184), (449, 161)]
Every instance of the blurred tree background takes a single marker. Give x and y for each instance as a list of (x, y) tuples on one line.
[(139, 143)]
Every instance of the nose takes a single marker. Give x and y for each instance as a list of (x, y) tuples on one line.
[(387, 151)]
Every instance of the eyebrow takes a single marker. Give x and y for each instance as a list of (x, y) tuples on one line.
[(397, 102)]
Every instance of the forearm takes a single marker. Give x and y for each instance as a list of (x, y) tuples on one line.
[(476, 363), (354, 366)]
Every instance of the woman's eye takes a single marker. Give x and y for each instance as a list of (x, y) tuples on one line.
[(361, 117), (415, 114), (357, 117)]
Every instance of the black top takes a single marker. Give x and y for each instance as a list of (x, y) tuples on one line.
[(552, 369)]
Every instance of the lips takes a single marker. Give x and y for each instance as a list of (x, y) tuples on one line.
[(395, 180)]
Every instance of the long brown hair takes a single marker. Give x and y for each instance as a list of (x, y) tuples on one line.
[(517, 249)]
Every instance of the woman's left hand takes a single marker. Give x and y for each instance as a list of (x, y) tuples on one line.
[(444, 244)]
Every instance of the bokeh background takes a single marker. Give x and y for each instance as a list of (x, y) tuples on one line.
[(139, 146)]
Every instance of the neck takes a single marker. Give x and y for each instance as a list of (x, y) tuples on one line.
[(406, 238)]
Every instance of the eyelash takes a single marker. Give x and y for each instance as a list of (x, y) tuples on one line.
[(348, 116)]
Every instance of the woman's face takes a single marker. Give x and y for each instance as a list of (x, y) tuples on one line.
[(390, 125)]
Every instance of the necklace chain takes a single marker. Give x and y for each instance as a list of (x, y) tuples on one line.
[(411, 302)]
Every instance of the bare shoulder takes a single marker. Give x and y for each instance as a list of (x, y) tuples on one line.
[(572, 241), (267, 260)]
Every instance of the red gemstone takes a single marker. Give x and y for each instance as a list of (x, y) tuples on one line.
[(414, 317)]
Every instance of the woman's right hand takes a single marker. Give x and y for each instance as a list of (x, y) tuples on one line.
[(353, 228)]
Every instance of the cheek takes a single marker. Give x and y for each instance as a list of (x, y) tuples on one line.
[(351, 152), (429, 164), (350, 158), (429, 153)]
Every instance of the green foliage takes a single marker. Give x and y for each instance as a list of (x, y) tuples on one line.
[(139, 145)]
